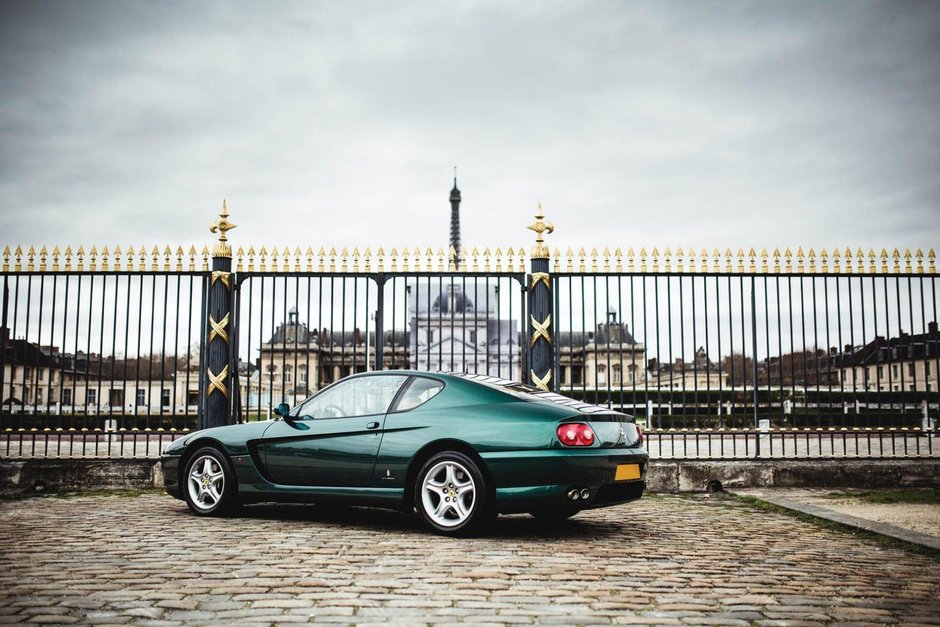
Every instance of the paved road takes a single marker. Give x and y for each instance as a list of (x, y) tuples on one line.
[(666, 559)]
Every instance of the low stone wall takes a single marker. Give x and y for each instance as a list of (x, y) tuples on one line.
[(73, 475), (697, 476)]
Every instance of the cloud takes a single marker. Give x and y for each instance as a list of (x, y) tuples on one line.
[(706, 124)]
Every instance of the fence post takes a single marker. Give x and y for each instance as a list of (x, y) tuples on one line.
[(4, 333), (754, 360), (218, 345), (541, 350), (379, 323)]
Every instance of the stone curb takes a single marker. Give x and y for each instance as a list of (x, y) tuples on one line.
[(666, 476), (883, 529)]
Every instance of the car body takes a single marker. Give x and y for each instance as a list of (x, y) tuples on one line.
[(456, 448)]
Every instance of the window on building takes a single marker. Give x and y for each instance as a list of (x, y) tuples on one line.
[(926, 368), (50, 396), (576, 372), (881, 372), (302, 375), (165, 398), (616, 373), (42, 374), (66, 397), (91, 396), (192, 398), (894, 370), (141, 398), (27, 373), (286, 377), (910, 369), (116, 398)]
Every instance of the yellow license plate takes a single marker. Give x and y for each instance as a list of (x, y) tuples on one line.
[(625, 472)]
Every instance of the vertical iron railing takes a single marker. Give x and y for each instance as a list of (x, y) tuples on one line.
[(107, 340), (299, 331), (719, 347), (768, 345)]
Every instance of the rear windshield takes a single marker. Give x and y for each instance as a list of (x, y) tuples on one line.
[(530, 393)]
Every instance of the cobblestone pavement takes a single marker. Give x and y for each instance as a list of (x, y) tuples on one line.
[(665, 559)]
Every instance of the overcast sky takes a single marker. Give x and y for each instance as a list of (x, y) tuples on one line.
[(634, 123)]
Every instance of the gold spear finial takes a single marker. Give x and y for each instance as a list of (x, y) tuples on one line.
[(540, 251), (222, 249)]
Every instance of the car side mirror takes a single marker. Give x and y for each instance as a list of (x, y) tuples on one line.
[(282, 410)]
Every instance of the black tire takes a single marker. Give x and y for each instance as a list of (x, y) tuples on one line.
[(452, 496), (208, 483), (554, 515)]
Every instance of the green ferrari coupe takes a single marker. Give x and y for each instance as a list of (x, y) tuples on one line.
[(458, 449)]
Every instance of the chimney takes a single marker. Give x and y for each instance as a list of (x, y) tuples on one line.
[(932, 328), (848, 348)]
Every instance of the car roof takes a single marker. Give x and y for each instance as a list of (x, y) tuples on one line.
[(519, 390)]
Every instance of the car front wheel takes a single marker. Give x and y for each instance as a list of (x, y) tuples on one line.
[(452, 496), (210, 483)]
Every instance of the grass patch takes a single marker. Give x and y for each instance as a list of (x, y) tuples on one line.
[(823, 523), (904, 495)]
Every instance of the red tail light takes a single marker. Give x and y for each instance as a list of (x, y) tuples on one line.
[(575, 434), (639, 431)]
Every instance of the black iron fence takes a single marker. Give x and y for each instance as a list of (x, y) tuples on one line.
[(98, 347), (720, 350), (767, 355), (730, 444)]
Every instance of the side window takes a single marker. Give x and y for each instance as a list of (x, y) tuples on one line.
[(362, 396), (419, 391)]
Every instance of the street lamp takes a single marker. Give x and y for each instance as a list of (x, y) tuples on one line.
[(369, 326), (270, 368)]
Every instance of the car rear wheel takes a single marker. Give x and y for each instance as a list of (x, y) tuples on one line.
[(210, 483), (452, 496)]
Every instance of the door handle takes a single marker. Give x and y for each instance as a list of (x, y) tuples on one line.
[(372, 425)]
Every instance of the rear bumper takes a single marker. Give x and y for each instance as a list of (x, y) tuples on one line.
[(529, 480)]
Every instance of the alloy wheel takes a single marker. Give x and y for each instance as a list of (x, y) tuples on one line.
[(448, 494), (206, 482)]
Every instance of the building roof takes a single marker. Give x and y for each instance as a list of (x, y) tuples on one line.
[(23, 353)]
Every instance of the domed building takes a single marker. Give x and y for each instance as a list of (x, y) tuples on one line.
[(456, 324)]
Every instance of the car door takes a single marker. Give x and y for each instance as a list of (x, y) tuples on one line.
[(333, 437)]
